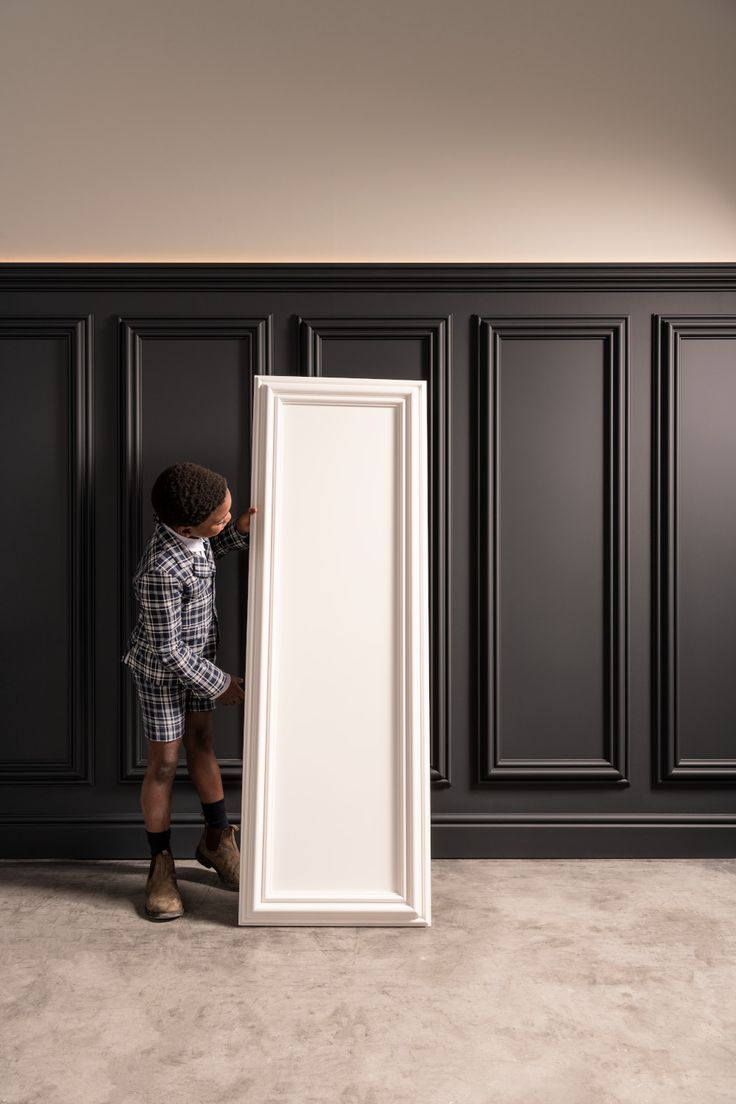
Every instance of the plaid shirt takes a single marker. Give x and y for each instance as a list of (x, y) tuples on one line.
[(177, 622)]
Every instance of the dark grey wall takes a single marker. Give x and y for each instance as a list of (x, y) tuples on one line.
[(583, 535)]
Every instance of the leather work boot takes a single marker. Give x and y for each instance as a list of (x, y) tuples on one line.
[(218, 850), (162, 893)]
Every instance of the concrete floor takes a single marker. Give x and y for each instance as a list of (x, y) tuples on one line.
[(540, 982)]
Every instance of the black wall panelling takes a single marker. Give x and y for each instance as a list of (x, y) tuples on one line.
[(47, 654), (695, 549), (187, 385), (405, 348), (582, 533), (552, 547)]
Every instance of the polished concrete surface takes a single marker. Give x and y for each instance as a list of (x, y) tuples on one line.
[(569, 981)]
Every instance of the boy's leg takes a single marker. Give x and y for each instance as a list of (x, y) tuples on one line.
[(162, 710), (163, 901), (158, 783), (204, 770), (217, 848)]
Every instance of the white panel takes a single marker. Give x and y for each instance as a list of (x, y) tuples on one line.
[(335, 650), (336, 778)]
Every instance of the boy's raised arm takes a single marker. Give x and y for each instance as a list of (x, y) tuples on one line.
[(235, 537)]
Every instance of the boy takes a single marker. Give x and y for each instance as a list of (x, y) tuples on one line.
[(170, 655)]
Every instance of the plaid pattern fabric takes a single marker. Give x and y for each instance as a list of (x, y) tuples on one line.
[(164, 705), (175, 638)]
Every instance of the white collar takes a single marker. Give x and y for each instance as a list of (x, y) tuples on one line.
[(195, 545)]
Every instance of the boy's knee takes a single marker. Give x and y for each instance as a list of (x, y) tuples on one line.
[(162, 768)]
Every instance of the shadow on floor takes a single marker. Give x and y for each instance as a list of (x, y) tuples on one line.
[(122, 881)]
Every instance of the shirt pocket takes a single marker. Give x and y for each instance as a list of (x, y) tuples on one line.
[(201, 590), (199, 585)]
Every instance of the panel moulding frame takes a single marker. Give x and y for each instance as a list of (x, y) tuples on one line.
[(409, 906)]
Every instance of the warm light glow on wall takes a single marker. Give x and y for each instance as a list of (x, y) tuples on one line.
[(403, 130)]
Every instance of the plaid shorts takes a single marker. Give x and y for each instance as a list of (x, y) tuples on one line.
[(163, 706)]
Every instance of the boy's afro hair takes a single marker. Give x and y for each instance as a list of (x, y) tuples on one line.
[(185, 494)]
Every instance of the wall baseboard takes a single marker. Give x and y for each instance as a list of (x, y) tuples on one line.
[(123, 837), (637, 839)]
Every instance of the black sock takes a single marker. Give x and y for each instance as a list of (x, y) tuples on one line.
[(159, 841), (214, 814)]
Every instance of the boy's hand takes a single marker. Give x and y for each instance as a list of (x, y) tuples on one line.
[(243, 522), (234, 694)]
